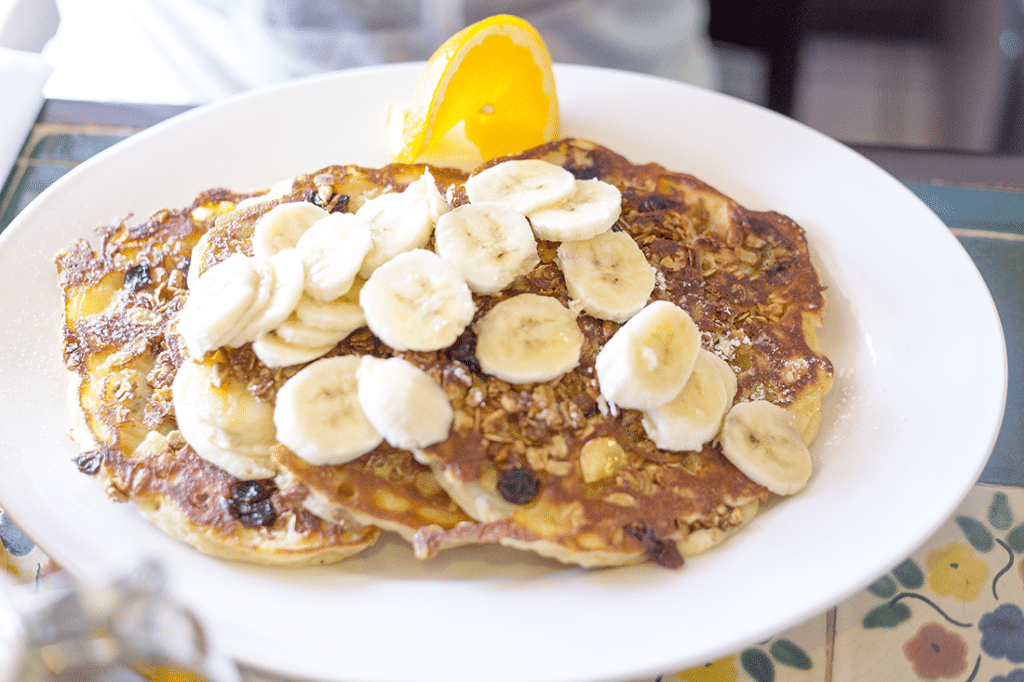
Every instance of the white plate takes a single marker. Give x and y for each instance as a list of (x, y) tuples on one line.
[(914, 335)]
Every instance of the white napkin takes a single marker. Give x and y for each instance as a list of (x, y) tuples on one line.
[(22, 75)]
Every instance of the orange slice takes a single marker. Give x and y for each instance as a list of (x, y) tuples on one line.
[(488, 91)]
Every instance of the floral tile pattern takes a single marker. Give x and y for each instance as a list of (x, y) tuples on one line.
[(799, 655), (952, 610)]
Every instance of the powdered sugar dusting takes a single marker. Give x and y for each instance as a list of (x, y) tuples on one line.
[(847, 400)]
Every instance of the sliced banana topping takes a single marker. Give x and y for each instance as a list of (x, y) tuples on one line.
[(296, 332), (647, 361), (417, 301), (224, 423), (491, 243), (591, 209), (401, 221), (693, 417), (528, 338), (287, 277), (273, 351), (278, 190), (342, 316), (264, 289), (525, 184), (218, 304), (318, 415), (763, 441), (333, 249), (282, 226), (607, 274), (728, 375), (403, 402)]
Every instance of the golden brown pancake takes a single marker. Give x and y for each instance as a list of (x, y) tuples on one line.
[(119, 300), (386, 488), (511, 461)]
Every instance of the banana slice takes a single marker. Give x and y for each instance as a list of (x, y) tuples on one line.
[(491, 243), (282, 226), (273, 351), (401, 221), (528, 338), (278, 190), (296, 332), (318, 415), (591, 209), (342, 315), (224, 423), (728, 375), (222, 298), (526, 184), (763, 441), (608, 275), (693, 417), (417, 301), (647, 361), (403, 402), (264, 290), (289, 277), (333, 249)]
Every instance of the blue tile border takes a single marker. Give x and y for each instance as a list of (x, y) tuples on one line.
[(974, 208)]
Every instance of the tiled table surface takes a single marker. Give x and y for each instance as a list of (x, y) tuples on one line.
[(953, 610)]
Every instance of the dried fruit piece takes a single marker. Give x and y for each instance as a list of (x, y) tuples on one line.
[(662, 552), (137, 277), (250, 503), (519, 485)]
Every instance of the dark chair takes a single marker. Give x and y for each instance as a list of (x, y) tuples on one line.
[(776, 29), (1010, 127)]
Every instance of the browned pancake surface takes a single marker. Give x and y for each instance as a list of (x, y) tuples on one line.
[(120, 299), (745, 277)]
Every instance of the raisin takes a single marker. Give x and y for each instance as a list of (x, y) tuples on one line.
[(662, 552), (464, 351), (655, 202), (251, 491), (136, 277), (519, 485), (250, 503), (89, 462), (340, 204), (336, 203)]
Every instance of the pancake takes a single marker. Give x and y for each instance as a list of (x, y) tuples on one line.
[(510, 470), (386, 488), (119, 300), (746, 279)]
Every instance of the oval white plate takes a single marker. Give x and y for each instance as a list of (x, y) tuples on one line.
[(911, 328)]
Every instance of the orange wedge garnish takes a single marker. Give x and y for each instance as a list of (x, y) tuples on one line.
[(488, 91)]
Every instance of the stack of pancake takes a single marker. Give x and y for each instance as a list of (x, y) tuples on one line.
[(517, 466)]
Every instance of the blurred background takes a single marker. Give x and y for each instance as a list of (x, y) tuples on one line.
[(921, 73)]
